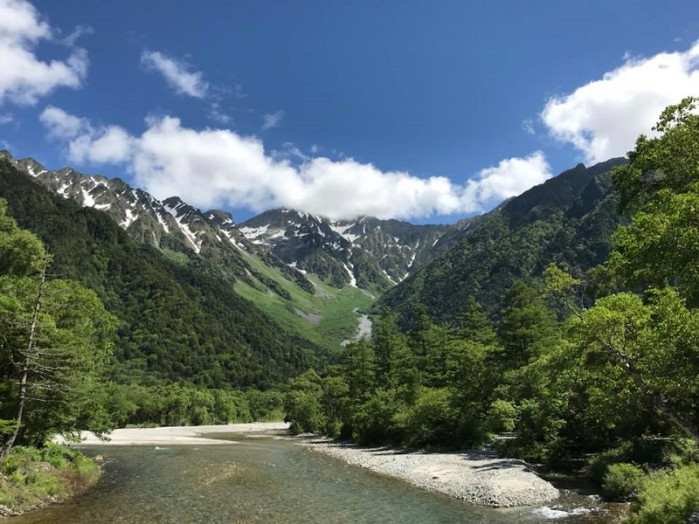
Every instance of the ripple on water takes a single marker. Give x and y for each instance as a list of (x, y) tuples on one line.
[(258, 481)]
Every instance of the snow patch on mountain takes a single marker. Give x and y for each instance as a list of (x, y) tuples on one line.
[(353, 281), (341, 230), (230, 238), (131, 217), (161, 221), (254, 233)]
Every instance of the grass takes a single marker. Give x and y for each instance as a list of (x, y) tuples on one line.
[(336, 307), (175, 256), (32, 477)]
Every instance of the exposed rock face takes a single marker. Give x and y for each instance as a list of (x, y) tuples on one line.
[(171, 224), (365, 252)]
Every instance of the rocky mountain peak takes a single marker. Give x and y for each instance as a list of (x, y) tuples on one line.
[(364, 251)]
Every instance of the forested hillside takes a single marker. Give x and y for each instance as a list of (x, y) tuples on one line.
[(595, 371), (176, 322), (567, 220)]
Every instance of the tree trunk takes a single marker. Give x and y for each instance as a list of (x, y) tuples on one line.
[(24, 373)]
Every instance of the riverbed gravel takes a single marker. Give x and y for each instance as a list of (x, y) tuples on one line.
[(476, 477)]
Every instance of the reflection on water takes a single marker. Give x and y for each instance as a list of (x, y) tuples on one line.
[(258, 480)]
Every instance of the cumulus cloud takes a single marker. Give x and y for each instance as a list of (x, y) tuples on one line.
[(221, 168), (62, 125), (24, 78), (85, 142), (272, 119), (603, 118), (176, 73)]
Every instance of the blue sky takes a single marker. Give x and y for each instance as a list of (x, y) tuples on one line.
[(428, 111)]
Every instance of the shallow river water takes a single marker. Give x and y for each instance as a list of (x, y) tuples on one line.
[(257, 480)]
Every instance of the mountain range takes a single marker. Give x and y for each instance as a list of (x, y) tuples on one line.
[(367, 252), (568, 220), (315, 276)]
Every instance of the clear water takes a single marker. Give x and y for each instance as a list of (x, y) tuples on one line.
[(258, 480)]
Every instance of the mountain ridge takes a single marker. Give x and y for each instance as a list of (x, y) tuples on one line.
[(176, 322), (569, 220), (365, 252)]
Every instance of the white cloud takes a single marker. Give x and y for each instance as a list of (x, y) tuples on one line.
[(528, 126), (216, 114), (221, 168), (24, 78), (106, 145), (77, 34), (85, 142), (176, 73), (272, 119), (6, 118), (509, 178), (603, 118), (62, 125)]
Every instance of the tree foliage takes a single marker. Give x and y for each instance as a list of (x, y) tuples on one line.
[(660, 188), (176, 323), (603, 361), (55, 338)]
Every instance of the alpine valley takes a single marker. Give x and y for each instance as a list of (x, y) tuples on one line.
[(309, 272), (282, 262), (545, 329), (316, 277)]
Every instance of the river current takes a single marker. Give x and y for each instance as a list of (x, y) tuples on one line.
[(255, 481)]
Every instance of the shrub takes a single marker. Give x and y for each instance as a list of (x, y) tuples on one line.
[(668, 498), (622, 481), (60, 457), (432, 420), (681, 452), (502, 416), (31, 476), (85, 466), (598, 465), (374, 421), (304, 413)]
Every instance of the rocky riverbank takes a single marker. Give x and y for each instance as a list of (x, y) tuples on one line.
[(476, 477), (180, 435)]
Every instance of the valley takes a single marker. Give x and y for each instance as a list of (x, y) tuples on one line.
[(388, 261), (501, 332)]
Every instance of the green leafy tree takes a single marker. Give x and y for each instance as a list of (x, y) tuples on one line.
[(359, 369), (646, 355), (659, 187), (21, 252), (302, 403), (55, 338), (526, 327), (388, 342)]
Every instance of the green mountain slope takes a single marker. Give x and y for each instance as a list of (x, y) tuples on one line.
[(569, 219), (211, 242), (178, 321)]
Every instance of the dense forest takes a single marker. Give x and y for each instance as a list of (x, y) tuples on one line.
[(568, 220), (602, 363), (176, 322)]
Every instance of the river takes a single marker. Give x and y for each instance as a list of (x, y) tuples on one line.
[(257, 480)]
